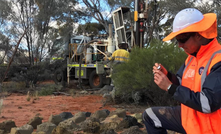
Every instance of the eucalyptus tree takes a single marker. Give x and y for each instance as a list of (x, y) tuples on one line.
[(22, 20), (4, 47), (5, 11), (37, 17), (99, 10), (62, 12), (120, 3), (91, 28)]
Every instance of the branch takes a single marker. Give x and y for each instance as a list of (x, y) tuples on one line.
[(16, 48), (94, 10)]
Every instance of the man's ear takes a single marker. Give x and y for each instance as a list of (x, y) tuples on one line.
[(202, 40), (198, 36)]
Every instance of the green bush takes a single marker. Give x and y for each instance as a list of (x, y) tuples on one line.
[(10, 86), (48, 89), (136, 77), (32, 75)]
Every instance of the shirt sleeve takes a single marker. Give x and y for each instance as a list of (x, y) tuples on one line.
[(175, 79), (112, 56)]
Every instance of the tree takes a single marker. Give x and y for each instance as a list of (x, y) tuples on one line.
[(118, 3), (5, 11), (91, 28), (36, 17), (61, 11), (4, 47), (98, 11)]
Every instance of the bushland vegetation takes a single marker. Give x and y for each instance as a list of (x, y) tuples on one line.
[(134, 79)]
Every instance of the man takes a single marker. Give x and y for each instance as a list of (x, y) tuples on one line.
[(197, 84), (120, 55)]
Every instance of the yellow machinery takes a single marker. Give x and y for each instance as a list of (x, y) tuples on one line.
[(84, 54)]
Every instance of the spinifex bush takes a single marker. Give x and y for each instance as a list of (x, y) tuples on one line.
[(136, 75)]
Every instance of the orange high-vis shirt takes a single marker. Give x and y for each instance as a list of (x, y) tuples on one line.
[(193, 121)]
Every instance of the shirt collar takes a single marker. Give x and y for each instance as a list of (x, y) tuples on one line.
[(205, 48)]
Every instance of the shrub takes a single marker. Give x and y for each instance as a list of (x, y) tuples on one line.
[(136, 75), (10, 86), (33, 74), (48, 89)]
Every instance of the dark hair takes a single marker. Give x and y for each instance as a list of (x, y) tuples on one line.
[(123, 45)]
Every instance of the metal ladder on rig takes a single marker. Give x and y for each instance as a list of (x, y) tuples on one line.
[(119, 24)]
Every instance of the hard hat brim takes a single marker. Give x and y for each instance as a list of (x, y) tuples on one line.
[(200, 26)]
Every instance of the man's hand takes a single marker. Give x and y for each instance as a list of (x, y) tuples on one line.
[(105, 58), (161, 80), (160, 67)]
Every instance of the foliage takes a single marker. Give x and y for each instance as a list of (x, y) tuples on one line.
[(136, 74), (40, 90), (91, 28), (4, 48), (8, 86), (44, 21), (32, 75), (97, 10), (118, 3), (5, 11), (48, 90)]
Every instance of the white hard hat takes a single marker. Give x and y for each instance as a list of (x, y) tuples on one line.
[(185, 18), (192, 20)]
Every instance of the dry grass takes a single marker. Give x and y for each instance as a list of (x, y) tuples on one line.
[(1, 105), (33, 96)]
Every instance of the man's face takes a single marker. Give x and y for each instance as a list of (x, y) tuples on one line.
[(188, 42)]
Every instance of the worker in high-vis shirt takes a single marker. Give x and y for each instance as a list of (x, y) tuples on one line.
[(120, 55), (197, 84)]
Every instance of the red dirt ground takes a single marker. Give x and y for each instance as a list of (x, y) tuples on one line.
[(17, 108)]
